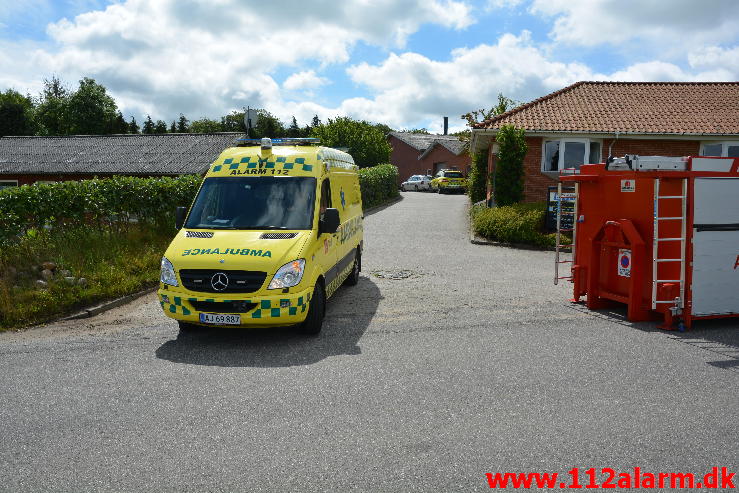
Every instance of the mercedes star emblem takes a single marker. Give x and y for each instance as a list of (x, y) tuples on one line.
[(219, 281)]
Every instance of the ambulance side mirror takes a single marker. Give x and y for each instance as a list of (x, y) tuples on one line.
[(329, 223), (179, 217)]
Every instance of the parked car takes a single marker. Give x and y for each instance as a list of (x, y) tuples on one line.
[(449, 180), (417, 183)]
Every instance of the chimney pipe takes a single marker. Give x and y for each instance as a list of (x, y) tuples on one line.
[(446, 125)]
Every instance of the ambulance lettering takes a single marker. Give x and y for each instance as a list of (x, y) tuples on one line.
[(349, 229), (228, 251)]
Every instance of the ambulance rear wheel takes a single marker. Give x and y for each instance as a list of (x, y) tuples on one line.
[(314, 321), (353, 278)]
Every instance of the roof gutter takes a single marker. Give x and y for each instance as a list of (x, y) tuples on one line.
[(477, 139)]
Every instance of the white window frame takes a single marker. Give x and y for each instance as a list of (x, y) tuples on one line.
[(724, 146), (562, 140), (7, 184)]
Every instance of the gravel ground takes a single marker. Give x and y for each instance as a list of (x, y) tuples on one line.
[(447, 361)]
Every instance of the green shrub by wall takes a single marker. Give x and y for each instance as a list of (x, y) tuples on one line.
[(379, 184), (518, 223), (477, 183), (509, 173)]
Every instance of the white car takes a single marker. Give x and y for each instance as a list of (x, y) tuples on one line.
[(417, 183)]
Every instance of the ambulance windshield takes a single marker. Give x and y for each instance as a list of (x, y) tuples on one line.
[(254, 203)]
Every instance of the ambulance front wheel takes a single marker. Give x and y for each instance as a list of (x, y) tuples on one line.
[(314, 320), (353, 278)]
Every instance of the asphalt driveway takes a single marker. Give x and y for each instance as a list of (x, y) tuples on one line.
[(447, 361)]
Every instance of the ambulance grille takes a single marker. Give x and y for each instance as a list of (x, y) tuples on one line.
[(277, 236), (223, 306), (198, 234), (238, 281)]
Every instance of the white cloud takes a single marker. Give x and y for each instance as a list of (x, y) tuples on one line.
[(716, 58), (501, 4), (672, 26), (411, 90), (207, 57), (306, 79)]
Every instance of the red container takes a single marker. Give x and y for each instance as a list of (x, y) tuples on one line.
[(660, 235)]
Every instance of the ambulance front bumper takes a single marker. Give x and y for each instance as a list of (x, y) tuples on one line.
[(255, 311)]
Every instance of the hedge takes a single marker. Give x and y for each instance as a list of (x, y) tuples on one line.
[(517, 223), (379, 184), (104, 204), (98, 204)]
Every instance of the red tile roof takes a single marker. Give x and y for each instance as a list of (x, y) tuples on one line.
[(634, 107)]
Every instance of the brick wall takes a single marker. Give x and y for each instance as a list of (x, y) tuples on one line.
[(405, 157), (536, 183), (674, 148)]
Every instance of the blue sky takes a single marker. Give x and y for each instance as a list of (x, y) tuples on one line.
[(406, 63)]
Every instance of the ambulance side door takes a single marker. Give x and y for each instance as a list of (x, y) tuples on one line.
[(326, 255), (343, 198)]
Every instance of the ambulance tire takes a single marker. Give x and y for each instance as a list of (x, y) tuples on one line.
[(314, 321), (353, 278), (440, 191)]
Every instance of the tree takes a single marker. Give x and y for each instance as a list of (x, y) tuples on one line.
[(119, 125), (91, 110), (315, 122), (509, 173), (16, 114), (183, 124), (51, 112), (365, 142), (233, 122), (206, 126), (173, 127), (417, 131), (293, 130), (133, 127), (160, 127), (148, 126), (268, 125), (479, 116)]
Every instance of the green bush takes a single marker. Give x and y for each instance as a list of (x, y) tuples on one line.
[(477, 183), (509, 168), (518, 223), (99, 204), (379, 184)]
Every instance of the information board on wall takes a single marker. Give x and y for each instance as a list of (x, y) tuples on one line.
[(568, 207)]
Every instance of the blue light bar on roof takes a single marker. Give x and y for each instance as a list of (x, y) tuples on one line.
[(286, 141)]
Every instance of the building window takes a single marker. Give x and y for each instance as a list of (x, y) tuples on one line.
[(570, 153), (720, 149), (8, 184)]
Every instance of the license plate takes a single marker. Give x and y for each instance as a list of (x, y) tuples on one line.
[(220, 319)]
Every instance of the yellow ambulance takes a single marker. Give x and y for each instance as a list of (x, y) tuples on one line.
[(274, 230)]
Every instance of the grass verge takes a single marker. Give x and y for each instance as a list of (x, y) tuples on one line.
[(113, 263), (515, 224)]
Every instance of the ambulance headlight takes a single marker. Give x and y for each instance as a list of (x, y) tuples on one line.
[(168, 276), (288, 275)]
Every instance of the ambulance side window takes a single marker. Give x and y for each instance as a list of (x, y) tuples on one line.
[(325, 196)]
